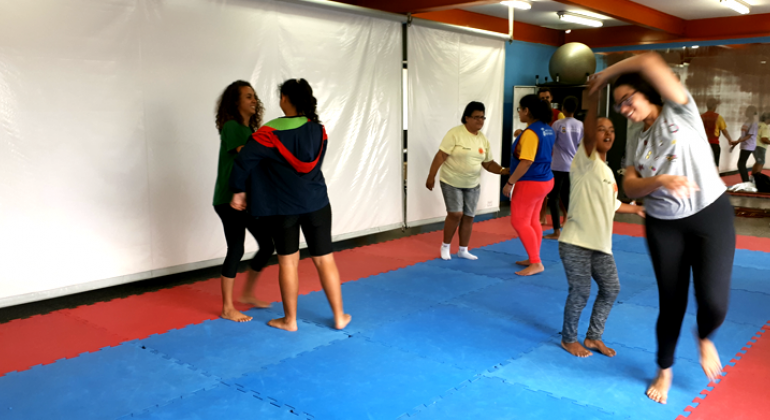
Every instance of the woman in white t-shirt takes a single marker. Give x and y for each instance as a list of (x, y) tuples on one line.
[(585, 244), (748, 141), (689, 216)]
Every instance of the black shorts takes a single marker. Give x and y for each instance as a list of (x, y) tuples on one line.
[(316, 226)]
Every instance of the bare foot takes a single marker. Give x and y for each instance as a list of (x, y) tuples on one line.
[(543, 221), (235, 315), (532, 269), (709, 359), (658, 390), (283, 324), (599, 346), (342, 323), (554, 235), (576, 349), (251, 300), (525, 263)]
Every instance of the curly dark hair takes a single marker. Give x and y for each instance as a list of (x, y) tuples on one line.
[(227, 107), (539, 109), (300, 94)]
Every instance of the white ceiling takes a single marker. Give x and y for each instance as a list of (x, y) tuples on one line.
[(543, 12), (702, 9)]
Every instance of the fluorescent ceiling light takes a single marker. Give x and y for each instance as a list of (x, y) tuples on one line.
[(579, 19), (738, 5), (518, 4), (593, 15), (695, 47)]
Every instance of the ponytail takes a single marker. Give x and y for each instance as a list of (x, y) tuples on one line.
[(300, 94)]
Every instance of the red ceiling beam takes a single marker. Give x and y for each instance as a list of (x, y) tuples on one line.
[(417, 6), (521, 31), (634, 13), (729, 27)]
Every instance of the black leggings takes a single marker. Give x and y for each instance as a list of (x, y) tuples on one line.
[(705, 243), (235, 224), (561, 186), (717, 151), (742, 164)]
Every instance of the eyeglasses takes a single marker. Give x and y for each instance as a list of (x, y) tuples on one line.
[(627, 102), (482, 118)]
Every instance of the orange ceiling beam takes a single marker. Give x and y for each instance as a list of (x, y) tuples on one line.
[(729, 27), (733, 27), (521, 31), (418, 6), (634, 13)]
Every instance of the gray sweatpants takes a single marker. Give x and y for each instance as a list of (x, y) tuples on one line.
[(581, 264)]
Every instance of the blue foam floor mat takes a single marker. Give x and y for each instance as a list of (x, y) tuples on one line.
[(440, 339), (355, 379), (432, 282), (536, 306), (222, 402), (616, 384), (460, 336), (549, 249), (729, 339), (494, 399), (370, 306), (490, 264), (750, 308), (105, 384), (211, 345)]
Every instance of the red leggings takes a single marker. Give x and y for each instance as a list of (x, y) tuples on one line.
[(526, 202)]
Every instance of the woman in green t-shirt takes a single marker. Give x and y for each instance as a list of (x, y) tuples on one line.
[(239, 114)]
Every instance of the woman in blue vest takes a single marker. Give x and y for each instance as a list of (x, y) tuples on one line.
[(531, 172)]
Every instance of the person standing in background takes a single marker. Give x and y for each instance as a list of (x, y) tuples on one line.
[(763, 139), (545, 95), (463, 152), (569, 132), (748, 141), (239, 113), (531, 173), (715, 125)]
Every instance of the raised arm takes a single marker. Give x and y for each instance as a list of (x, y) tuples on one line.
[(589, 125), (654, 70)]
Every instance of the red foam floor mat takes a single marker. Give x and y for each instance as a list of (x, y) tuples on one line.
[(742, 393), (267, 285), (43, 339), (139, 316)]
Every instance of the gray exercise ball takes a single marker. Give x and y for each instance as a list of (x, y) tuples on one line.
[(571, 62)]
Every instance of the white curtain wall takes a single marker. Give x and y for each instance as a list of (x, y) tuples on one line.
[(108, 149), (446, 71)]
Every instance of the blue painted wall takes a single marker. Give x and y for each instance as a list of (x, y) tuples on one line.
[(523, 60)]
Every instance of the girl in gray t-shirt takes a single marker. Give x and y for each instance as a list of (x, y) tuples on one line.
[(689, 217)]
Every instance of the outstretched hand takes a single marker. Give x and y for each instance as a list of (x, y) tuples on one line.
[(597, 82)]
